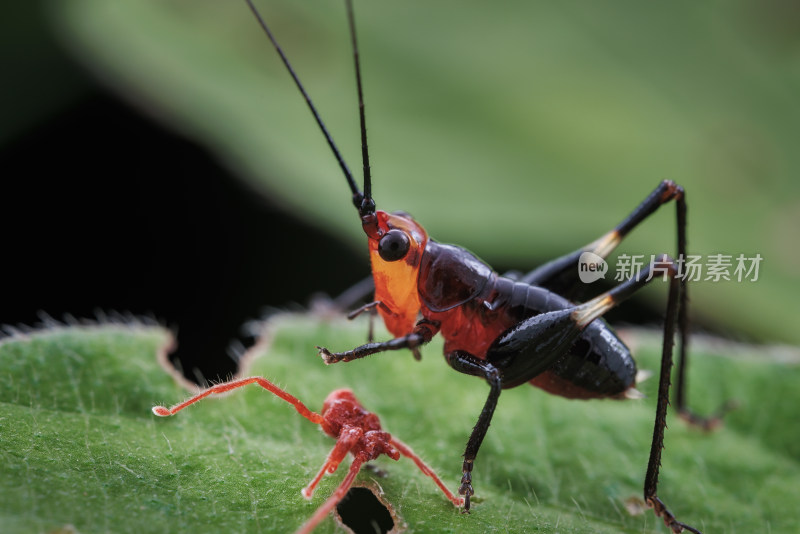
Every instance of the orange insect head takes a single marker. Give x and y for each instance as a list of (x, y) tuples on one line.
[(396, 245)]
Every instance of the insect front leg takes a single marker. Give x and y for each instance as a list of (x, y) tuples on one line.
[(467, 363), (406, 451), (331, 502), (423, 332), (372, 309), (348, 438)]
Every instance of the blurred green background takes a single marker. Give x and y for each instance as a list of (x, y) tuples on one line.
[(157, 158), (520, 130)]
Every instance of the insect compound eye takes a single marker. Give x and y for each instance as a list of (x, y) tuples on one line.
[(394, 245)]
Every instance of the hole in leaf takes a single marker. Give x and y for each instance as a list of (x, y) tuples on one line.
[(363, 513)]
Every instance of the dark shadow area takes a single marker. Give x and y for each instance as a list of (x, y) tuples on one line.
[(102, 209), (364, 513)]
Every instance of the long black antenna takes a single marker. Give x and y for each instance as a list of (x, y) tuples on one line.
[(363, 201), (367, 204)]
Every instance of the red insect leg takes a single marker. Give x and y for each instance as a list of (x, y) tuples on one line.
[(347, 440), (406, 451), (301, 408), (325, 508)]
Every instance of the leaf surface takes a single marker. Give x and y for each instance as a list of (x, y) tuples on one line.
[(81, 447)]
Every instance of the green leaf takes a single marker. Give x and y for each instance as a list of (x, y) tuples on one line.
[(81, 447), (520, 131)]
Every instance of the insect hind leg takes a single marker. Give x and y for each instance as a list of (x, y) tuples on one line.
[(675, 301), (590, 310), (561, 274)]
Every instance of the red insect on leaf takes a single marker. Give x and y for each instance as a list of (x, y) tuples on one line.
[(355, 430)]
